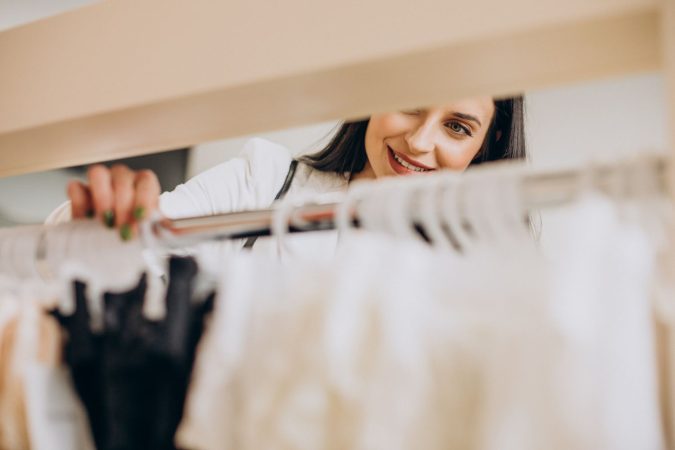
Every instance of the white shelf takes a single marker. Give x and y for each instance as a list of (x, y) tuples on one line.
[(123, 78)]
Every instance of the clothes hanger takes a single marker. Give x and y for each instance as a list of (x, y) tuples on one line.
[(283, 219), (419, 209), (429, 212), (480, 199), (485, 210), (156, 263), (372, 208), (452, 216), (56, 256), (503, 208), (280, 222), (514, 208), (397, 214), (346, 210)]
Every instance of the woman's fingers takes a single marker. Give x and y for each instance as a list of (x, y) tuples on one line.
[(81, 204), (100, 186), (118, 196), (147, 190), (122, 179), (147, 194)]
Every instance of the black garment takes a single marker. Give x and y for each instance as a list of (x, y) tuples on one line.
[(82, 353), (133, 377)]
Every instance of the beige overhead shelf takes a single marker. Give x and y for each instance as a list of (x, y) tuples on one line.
[(122, 78)]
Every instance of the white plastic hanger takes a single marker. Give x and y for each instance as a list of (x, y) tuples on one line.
[(396, 212), (503, 209), (452, 215), (345, 210), (429, 212)]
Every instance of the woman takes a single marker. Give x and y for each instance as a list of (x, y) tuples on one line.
[(452, 136)]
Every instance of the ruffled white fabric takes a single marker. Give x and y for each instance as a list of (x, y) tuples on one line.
[(396, 346)]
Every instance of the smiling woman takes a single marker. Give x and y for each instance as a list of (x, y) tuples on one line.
[(452, 136)]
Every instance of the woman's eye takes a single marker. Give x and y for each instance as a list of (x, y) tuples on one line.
[(457, 127)]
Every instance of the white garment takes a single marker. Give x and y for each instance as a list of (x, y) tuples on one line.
[(393, 345), (250, 181)]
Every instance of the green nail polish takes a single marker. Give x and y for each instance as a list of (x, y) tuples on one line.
[(139, 213), (125, 232), (109, 219)]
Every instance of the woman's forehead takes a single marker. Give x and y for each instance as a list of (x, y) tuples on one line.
[(483, 107)]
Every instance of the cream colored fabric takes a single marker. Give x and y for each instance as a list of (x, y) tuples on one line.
[(395, 346), (13, 428), (39, 409), (27, 336)]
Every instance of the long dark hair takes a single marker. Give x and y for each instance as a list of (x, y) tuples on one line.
[(505, 139)]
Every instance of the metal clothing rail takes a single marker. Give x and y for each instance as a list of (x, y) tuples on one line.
[(540, 189), (245, 224)]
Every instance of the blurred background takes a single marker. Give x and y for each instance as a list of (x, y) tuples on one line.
[(607, 119)]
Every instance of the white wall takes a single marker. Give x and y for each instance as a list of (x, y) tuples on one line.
[(599, 121), (604, 119), (19, 12), (30, 198)]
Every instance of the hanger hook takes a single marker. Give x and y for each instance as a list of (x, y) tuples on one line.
[(347, 210), (429, 212), (152, 244), (452, 215), (282, 217)]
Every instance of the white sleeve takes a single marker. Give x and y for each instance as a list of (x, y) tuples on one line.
[(249, 181)]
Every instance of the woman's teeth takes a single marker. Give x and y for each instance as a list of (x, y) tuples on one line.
[(407, 165)]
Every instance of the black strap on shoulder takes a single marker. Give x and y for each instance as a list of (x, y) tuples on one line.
[(282, 192)]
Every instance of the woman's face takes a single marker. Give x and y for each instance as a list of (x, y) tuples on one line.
[(418, 141)]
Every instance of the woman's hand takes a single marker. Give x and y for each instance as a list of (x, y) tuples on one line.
[(118, 196)]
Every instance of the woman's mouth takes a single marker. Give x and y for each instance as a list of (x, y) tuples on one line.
[(404, 166)]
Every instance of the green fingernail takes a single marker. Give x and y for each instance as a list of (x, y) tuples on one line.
[(109, 219), (139, 212), (125, 232)]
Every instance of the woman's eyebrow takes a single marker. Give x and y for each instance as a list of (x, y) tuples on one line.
[(467, 117)]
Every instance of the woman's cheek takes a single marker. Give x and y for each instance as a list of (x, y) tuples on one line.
[(387, 125), (456, 158)]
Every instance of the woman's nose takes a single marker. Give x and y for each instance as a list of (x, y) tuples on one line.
[(421, 139)]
